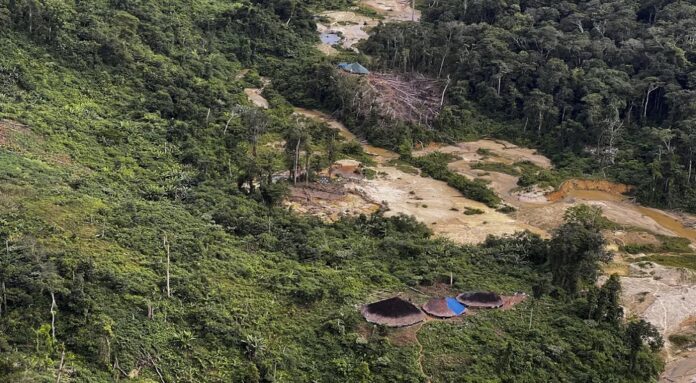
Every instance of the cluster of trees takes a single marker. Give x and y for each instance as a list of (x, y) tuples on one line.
[(610, 80), (140, 233)]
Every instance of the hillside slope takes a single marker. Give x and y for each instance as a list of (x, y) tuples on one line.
[(142, 235)]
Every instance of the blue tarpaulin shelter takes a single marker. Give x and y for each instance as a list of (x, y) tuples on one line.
[(444, 307), (456, 307), (354, 68)]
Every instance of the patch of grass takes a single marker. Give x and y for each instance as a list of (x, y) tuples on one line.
[(472, 211), (485, 153), (506, 209), (675, 244), (370, 174), (683, 341), (531, 175), (403, 166), (435, 166), (667, 245), (497, 167), (687, 261)]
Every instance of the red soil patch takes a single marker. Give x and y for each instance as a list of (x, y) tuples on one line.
[(597, 185)]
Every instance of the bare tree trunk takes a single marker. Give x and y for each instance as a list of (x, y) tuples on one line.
[(500, 80), (297, 158), (442, 99), (526, 121), (651, 88), (307, 155), (53, 315), (227, 124), (60, 366), (292, 13), (688, 181), (4, 298), (166, 249)]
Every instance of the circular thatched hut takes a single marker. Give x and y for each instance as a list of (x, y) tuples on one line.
[(444, 307), (480, 299), (392, 312)]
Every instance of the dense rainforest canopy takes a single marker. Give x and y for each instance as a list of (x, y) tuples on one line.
[(142, 237)]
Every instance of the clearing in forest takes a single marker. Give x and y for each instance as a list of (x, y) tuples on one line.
[(349, 27), (413, 98)]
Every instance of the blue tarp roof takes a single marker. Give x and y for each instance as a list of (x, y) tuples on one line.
[(455, 306), (353, 68)]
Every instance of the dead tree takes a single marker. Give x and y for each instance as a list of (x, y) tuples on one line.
[(166, 249), (54, 308)]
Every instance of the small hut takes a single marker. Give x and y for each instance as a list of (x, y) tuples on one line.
[(392, 312), (480, 299), (444, 307), (354, 68)]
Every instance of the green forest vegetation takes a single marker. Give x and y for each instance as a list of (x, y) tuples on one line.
[(141, 236), (600, 86)]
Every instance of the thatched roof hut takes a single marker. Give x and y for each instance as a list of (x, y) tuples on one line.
[(392, 312), (444, 307), (480, 299)]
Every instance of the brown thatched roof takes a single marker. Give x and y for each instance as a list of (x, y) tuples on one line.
[(480, 299), (444, 307), (392, 312)]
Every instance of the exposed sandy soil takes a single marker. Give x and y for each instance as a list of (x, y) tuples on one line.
[(350, 25), (545, 211), (502, 151), (662, 295), (329, 202), (354, 27), (665, 297), (327, 49), (438, 205), (254, 95), (681, 370), (394, 10)]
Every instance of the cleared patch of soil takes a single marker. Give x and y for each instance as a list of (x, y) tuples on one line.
[(501, 151), (354, 27), (327, 49), (350, 25), (438, 205), (394, 10), (254, 95), (665, 297), (329, 202), (681, 370)]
